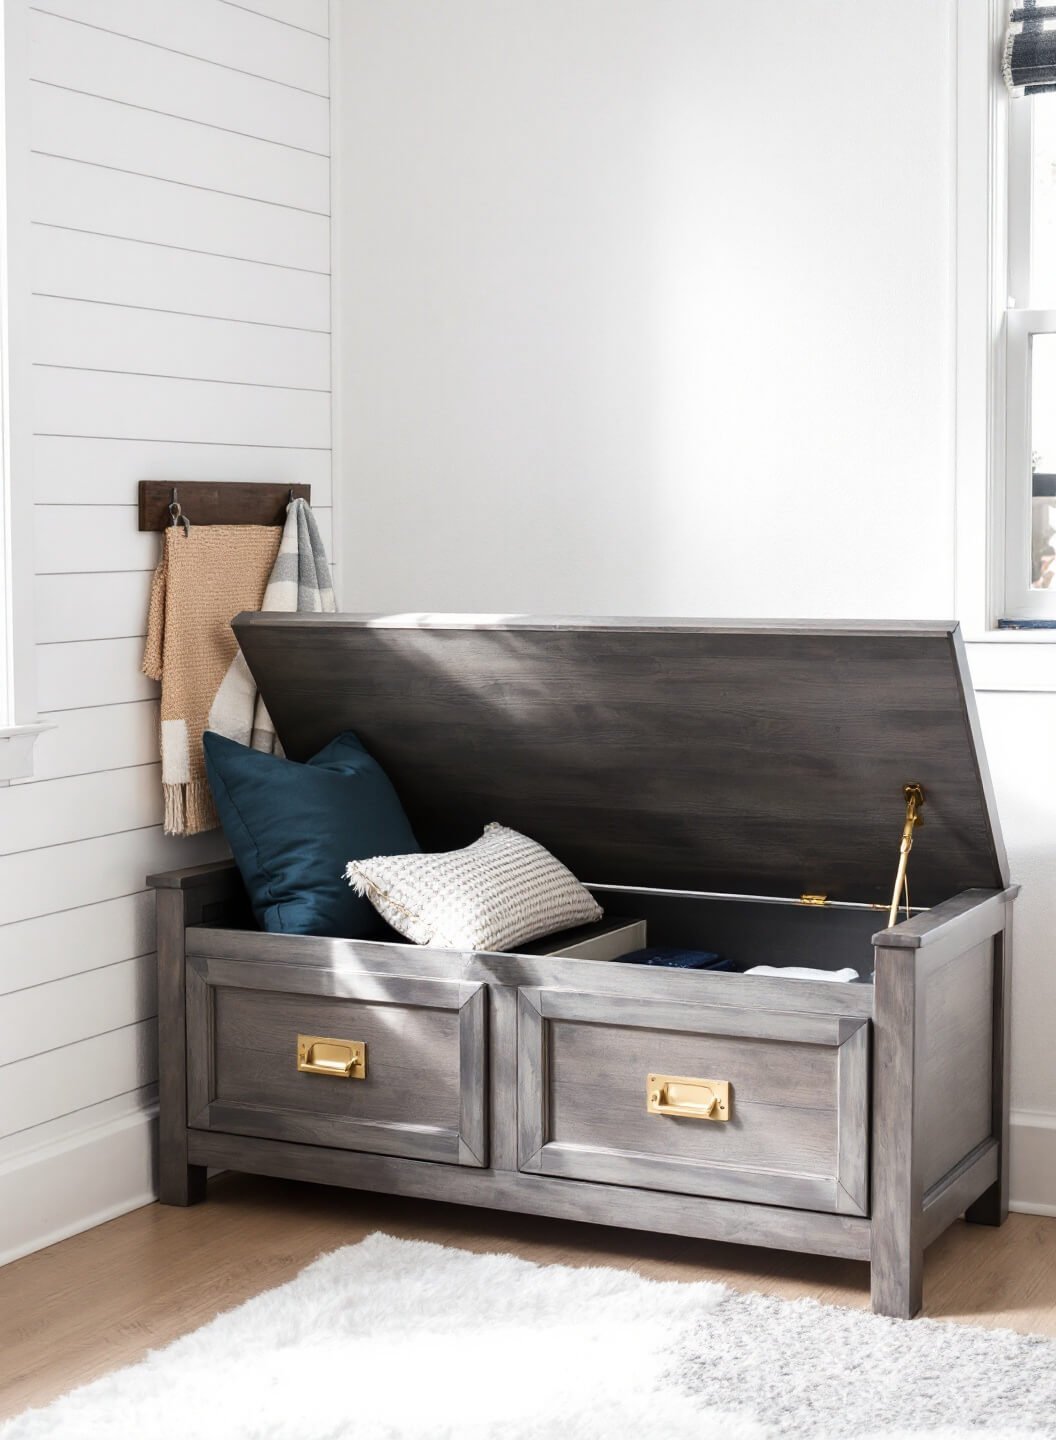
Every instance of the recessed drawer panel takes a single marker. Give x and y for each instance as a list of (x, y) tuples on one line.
[(394, 1065), (764, 1106)]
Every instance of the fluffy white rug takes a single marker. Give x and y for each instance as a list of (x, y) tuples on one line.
[(398, 1340)]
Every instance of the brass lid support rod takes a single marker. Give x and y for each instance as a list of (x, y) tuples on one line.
[(914, 800)]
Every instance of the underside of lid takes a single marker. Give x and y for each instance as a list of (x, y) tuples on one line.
[(764, 758)]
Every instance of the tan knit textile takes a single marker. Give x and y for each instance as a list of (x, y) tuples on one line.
[(202, 582)]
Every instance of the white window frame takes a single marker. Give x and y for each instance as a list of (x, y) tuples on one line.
[(19, 724), (1023, 321), (1003, 660)]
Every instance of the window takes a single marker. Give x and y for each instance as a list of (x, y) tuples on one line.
[(1030, 365), (18, 723), (6, 617)]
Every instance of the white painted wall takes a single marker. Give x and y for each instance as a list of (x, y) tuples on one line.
[(177, 254), (643, 317)]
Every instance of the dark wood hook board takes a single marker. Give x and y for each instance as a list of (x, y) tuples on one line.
[(217, 502)]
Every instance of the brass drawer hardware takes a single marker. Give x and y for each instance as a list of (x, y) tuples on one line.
[(691, 1098), (322, 1055)]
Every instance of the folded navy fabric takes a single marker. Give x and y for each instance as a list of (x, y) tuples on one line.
[(674, 957)]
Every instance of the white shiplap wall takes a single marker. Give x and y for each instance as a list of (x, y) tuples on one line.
[(179, 192)]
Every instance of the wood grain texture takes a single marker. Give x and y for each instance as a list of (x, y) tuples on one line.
[(853, 1119), (960, 922), (584, 1068), (179, 1182), (974, 1176), (991, 1208), (790, 1024), (532, 1080), (473, 1088), (425, 1092), (956, 1025), (299, 953), (897, 1260), (502, 1048), (232, 502), (102, 1299), (766, 1225), (750, 759)]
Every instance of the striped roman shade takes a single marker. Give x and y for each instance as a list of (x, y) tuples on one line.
[(1030, 50)]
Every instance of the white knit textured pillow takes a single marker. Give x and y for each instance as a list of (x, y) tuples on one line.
[(498, 892)]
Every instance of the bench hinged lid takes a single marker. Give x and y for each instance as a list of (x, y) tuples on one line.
[(751, 758)]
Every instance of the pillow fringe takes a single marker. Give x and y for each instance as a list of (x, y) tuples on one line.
[(358, 881)]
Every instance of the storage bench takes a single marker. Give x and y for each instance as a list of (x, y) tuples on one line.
[(758, 812)]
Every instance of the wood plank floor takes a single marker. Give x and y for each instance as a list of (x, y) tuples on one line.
[(102, 1299)]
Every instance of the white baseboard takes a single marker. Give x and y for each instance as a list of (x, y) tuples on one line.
[(1033, 1149), (79, 1181)]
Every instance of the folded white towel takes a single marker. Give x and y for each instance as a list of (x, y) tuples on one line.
[(802, 972)]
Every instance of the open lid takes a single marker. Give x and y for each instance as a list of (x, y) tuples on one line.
[(763, 758)]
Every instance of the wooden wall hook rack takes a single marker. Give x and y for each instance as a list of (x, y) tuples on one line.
[(216, 502)]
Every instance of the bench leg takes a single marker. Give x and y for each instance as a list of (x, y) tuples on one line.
[(180, 1183), (897, 1252), (897, 1274)]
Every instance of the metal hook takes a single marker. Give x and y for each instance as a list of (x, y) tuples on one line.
[(176, 515)]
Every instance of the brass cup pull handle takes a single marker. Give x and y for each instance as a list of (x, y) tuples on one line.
[(323, 1055), (688, 1097)]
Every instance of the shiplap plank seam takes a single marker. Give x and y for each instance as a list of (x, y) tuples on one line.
[(64, 53), (93, 198), (90, 970), (98, 1035), (186, 54), (83, 839), (264, 14), (183, 184), (54, 1130), (188, 314), (104, 132), (83, 774), (184, 379), (184, 249), (174, 440), (183, 119), (85, 905)]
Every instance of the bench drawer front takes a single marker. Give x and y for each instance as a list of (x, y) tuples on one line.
[(797, 1126), (423, 1094)]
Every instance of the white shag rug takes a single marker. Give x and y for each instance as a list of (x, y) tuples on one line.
[(401, 1340)]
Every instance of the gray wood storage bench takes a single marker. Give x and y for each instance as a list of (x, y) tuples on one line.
[(746, 788)]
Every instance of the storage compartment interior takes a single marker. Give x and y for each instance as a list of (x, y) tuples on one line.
[(754, 932), (746, 932)]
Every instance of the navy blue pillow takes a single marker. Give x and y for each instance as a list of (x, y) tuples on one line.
[(293, 828)]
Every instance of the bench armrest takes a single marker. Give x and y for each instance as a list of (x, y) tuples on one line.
[(971, 916)]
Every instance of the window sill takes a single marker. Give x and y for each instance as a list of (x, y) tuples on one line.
[(16, 750), (1013, 661)]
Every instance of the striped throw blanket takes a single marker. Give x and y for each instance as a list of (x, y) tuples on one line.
[(300, 582)]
